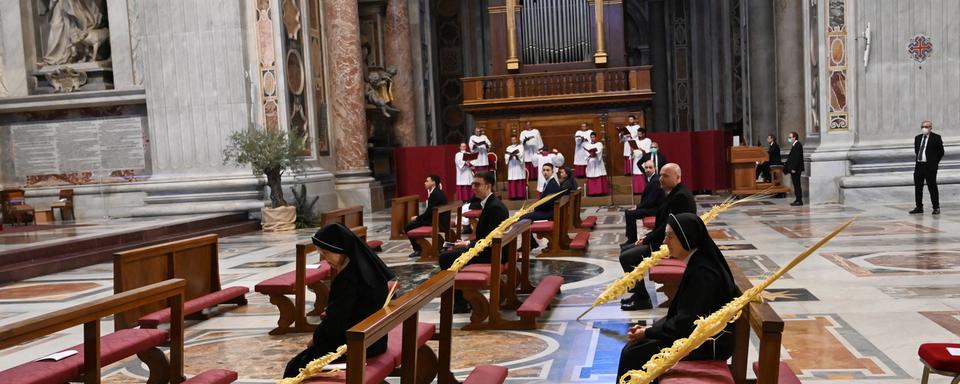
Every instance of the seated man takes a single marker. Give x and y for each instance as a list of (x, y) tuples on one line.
[(707, 285), (679, 200), (544, 211), (435, 198), (493, 213), (773, 158), (649, 202), (655, 156)]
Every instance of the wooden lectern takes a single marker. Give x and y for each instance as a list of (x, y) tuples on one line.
[(743, 161)]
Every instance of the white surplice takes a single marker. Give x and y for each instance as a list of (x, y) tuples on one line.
[(595, 166), (533, 146), (464, 173), (634, 135), (515, 168), (481, 150), (580, 139)]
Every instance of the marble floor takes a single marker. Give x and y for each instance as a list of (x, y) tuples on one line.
[(855, 312)]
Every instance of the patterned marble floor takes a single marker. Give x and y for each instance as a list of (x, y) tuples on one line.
[(855, 312)]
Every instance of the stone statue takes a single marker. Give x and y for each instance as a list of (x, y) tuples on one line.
[(378, 90), (66, 20)]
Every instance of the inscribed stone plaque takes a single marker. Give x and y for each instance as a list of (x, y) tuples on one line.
[(96, 146)]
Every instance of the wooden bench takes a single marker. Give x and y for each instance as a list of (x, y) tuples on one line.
[(431, 238), (503, 294), (196, 260), (586, 223), (557, 232), (351, 217), (296, 283), (760, 318), (401, 210), (407, 345), (97, 351), (65, 204)]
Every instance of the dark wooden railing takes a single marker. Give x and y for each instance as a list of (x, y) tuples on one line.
[(553, 89)]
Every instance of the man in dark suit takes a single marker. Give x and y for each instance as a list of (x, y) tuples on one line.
[(928, 149), (795, 167), (656, 157), (493, 213), (435, 198), (649, 203), (678, 200), (544, 211), (773, 158)]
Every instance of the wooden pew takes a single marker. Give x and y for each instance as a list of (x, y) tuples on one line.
[(351, 217), (503, 294), (97, 351), (296, 283), (557, 231), (196, 260), (761, 319), (587, 223), (431, 238), (401, 210), (417, 362)]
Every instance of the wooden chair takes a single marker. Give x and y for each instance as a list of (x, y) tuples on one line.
[(104, 350), (761, 319), (15, 207), (64, 204), (575, 201), (431, 238), (296, 283), (196, 260), (407, 354), (557, 231), (401, 210), (351, 217)]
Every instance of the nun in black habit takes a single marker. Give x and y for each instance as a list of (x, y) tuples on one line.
[(706, 286), (358, 290)]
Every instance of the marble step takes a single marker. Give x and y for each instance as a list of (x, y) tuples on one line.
[(200, 197)]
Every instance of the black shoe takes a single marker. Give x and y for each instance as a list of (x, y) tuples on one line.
[(936, 211), (636, 305), (796, 203), (917, 210), (415, 254), (626, 300), (461, 307)]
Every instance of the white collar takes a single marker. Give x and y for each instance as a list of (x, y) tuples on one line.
[(483, 203), (430, 191)]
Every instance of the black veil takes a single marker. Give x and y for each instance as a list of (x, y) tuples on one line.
[(339, 239)]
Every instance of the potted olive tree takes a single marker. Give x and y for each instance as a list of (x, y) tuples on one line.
[(271, 153)]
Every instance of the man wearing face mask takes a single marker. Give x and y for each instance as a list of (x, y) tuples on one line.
[(794, 166), (928, 150), (656, 157)]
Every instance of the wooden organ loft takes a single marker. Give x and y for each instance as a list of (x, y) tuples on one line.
[(558, 63)]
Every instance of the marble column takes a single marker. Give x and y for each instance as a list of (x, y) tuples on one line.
[(788, 24), (354, 183), (397, 52), (346, 85)]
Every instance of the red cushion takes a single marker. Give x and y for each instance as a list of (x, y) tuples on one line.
[(672, 263), (380, 366), (113, 347), (540, 299), (785, 375), (424, 231), (213, 376), (193, 306), (580, 241), (649, 222), (283, 284), (482, 268), (374, 244), (666, 274), (937, 357), (487, 374), (472, 280), (542, 227), (472, 214), (589, 222), (698, 372)]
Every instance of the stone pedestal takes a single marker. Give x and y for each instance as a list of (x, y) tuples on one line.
[(359, 188)]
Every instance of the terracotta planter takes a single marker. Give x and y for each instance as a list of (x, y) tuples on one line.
[(278, 219)]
